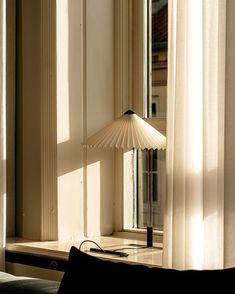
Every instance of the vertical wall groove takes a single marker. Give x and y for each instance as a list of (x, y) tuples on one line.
[(123, 90), (84, 95), (10, 116), (49, 227)]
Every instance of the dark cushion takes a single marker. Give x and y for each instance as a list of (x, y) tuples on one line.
[(97, 274), (22, 285)]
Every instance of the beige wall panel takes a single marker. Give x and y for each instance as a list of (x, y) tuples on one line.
[(85, 95), (10, 92), (69, 117), (229, 171), (30, 99), (100, 111), (36, 120)]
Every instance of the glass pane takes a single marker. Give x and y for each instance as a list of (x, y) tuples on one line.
[(158, 188), (159, 58)]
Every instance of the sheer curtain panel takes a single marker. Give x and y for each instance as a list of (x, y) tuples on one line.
[(193, 221), (2, 132)]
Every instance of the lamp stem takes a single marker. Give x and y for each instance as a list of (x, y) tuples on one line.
[(150, 199)]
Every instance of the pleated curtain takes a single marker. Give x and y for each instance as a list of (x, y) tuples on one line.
[(2, 132), (193, 217)]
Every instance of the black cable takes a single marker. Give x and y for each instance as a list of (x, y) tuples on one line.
[(101, 250), (91, 242)]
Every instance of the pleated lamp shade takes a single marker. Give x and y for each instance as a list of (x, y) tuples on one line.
[(128, 132)]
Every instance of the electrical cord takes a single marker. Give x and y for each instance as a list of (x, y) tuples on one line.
[(91, 241), (101, 250)]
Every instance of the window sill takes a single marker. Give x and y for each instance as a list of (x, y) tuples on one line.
[(60, 249)]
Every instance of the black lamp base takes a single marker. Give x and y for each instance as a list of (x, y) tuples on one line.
[(149, 237)]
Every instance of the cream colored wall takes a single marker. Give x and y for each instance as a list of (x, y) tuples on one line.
[(69, 118), (10, 92), (229, 171), (85, 86), (100, 111), (36, 179), (84, 103), (85, 94), (28, 124)]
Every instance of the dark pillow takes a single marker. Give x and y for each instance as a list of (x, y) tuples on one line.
[(86, 270), (92, 273)]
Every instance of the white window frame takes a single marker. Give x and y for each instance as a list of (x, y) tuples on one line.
[(130, 90)]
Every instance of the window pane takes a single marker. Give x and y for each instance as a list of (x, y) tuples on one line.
[(159, 58), (158, 188)]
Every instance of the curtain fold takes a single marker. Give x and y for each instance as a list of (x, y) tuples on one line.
[(2, 132), (193, 219)]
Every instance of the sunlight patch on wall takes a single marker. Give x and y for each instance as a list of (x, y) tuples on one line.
[(70, 205), (63, 119), (93, 198)]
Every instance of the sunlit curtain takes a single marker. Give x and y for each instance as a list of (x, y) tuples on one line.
[(193, 221), (2, 133)]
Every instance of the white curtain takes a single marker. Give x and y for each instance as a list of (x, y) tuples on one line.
[(193, 221), (2, 132)]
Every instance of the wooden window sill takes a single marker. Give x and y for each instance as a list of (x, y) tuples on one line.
[(49, 254)]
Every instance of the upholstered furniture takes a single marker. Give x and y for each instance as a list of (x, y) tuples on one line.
[(87, 273), (102, 276), (23, 285)]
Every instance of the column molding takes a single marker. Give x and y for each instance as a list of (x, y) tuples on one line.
[(139, 68), (10, 112), (49, 227), (84, 107), (123, 90), (130, 73), (2, 132)]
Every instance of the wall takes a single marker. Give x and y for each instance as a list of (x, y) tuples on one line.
[(85, 94), (229, 160), (100, 112), (85, 87), (10, 92), (69, 118), (36, 177), (28, 120), (64, 94)]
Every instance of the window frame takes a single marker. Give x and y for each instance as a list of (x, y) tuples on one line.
[(130, 45)]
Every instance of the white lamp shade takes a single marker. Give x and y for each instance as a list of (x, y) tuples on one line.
[(128, 132)]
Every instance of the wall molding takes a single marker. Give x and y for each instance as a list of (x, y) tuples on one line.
[(10, 115), (123, 90), (130, 74), (139, 68), (49, 226), (84, 107)]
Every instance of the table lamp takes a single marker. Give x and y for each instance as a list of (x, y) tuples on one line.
[(129, 132)]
